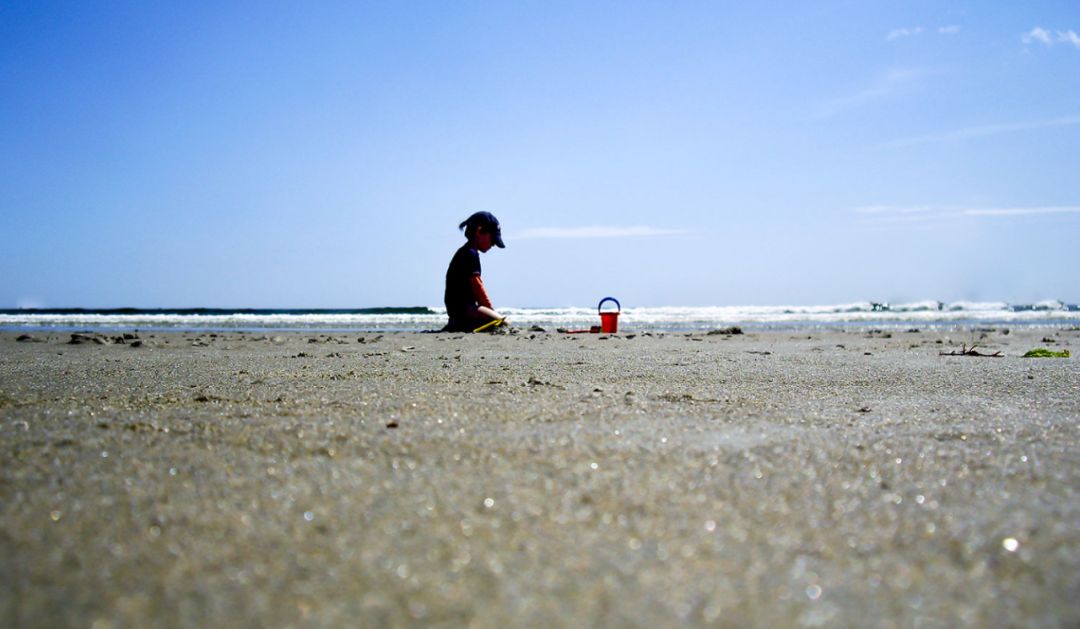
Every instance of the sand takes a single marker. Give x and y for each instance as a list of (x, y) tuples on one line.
[(842, 478)]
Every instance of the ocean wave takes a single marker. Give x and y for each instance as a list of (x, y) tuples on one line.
[(672, 318)]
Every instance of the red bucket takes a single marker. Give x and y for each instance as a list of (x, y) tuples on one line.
[(609, 321)]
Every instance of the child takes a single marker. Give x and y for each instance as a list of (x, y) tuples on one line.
[(467, 303)]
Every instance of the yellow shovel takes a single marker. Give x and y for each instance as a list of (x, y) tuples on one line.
[(490, 324)]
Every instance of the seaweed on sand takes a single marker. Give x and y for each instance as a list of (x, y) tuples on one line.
[(1042, 352)]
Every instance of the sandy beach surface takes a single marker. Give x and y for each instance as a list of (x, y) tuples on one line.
[(781, 478)]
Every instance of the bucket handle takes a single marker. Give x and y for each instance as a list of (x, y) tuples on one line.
[(601, 304)]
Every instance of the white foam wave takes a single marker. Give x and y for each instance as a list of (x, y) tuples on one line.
[(1050, 312), (976, 306)]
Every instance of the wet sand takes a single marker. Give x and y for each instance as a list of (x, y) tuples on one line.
[(845, 478)]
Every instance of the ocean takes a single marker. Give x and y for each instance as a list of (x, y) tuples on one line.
[(929, 314)]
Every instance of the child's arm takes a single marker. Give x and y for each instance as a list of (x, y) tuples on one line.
[(480, 293)]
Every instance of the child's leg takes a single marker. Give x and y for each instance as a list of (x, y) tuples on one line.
[(484, 318)]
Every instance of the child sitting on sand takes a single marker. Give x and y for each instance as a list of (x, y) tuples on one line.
[(467, 303)]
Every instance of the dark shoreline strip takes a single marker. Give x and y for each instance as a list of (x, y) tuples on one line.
[(389, 310)]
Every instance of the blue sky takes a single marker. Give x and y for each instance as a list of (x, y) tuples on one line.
[(322, 154)]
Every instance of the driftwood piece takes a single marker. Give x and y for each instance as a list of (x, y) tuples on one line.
[(966, 351)]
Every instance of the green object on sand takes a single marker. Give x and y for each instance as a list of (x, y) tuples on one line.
[(1042, 352)]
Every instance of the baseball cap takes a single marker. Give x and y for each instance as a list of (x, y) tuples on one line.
[(490, 224)]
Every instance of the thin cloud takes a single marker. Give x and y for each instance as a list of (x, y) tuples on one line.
[(982, 131), (927, 213), (886, 85), (897, 33), (916, 214), (1042, 36), (892, 209), (1023, 211), (562, 233), (1037, 34), (900, 33)]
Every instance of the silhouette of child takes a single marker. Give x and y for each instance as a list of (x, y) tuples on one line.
[(467, 303)]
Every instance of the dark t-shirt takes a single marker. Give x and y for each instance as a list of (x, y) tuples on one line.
[(459, 297)]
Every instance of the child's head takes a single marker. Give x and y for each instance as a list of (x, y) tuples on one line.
[(482, 229)]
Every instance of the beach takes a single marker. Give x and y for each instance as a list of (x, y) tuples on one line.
[(845, 477)]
